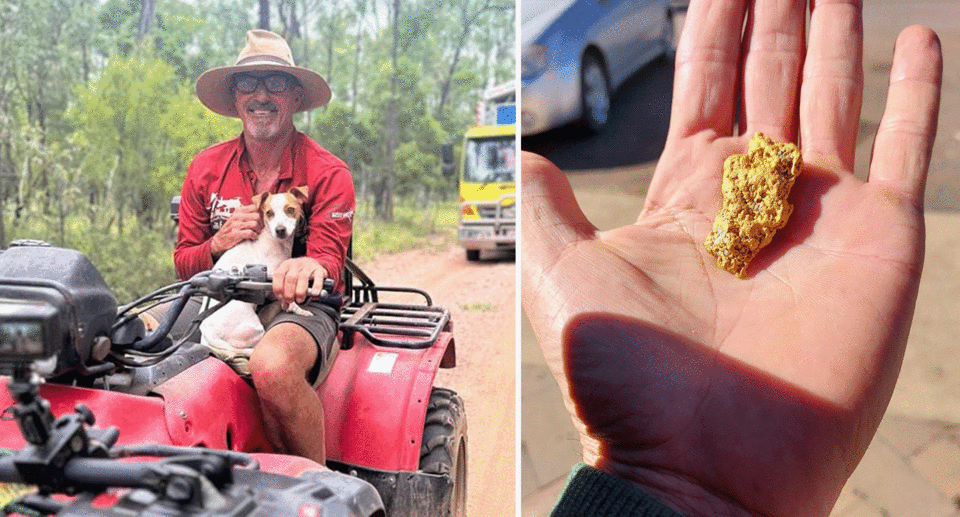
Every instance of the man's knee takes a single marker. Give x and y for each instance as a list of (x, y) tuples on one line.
[(282, 358)]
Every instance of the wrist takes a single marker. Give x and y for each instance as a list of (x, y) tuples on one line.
[(214, 248)]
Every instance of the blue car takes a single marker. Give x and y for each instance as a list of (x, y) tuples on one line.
[(575, 53)]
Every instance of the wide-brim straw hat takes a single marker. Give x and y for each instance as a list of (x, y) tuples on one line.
[(264, 52)]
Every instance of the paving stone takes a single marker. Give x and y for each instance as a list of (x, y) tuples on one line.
[(541, 502), (547, 434), (939, 464), (908, 436), (528, 473), (886, 482), (849, 505)]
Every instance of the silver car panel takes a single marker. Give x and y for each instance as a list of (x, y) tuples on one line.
[(626, 33)]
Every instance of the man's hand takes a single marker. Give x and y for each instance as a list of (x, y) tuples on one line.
[(242, 225), (722, 396), (292, 278)]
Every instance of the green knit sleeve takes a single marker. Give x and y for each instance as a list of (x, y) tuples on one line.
[(593, 493)]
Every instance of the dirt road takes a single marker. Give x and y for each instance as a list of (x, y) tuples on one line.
[(481, 297)]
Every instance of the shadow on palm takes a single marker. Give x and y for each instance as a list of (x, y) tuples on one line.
[(671, 411)]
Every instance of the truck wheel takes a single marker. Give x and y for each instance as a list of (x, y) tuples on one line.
[(444, 446), (473, 255)]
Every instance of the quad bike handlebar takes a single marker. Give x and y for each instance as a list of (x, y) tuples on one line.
[(251, 284)]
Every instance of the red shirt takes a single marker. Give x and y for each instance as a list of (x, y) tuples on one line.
[(220, 179)]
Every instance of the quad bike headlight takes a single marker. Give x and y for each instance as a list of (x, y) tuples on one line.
[(29, 330)]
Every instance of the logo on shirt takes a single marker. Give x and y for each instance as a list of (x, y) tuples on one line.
[(221, 210), (348, 214)]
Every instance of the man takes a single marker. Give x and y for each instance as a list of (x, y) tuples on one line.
[(265, 89)]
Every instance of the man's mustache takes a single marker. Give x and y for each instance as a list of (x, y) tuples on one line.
[(266, 105)]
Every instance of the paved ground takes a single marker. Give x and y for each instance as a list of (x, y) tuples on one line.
[(912, 467)]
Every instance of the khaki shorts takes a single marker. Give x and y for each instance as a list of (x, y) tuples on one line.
[(322, 326)]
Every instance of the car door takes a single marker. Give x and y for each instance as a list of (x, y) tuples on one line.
[(626, 33)]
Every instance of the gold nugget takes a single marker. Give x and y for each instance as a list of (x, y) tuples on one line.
[(755, 189)]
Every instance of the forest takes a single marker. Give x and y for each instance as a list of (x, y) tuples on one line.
[(99, 120)]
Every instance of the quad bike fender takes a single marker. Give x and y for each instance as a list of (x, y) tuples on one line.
[(375, 400), (408, 494), (209, 405), (138, 418), (292, 466)]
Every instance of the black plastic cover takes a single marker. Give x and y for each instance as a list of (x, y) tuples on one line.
[(89, 308)]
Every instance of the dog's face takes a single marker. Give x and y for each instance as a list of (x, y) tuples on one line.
[(282, 212)]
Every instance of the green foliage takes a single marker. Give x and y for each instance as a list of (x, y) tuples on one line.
[(189, 128), (141, 127), (132, 265), (433, 227)]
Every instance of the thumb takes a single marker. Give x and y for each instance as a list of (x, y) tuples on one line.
[(551, 220)]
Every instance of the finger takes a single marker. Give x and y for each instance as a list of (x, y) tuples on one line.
[(832, 88), (303, 285), (550, 221), (279, 282), (245, 213), (773, 50), (319, 275), (250, 224), (290, 283), (705, 79), (252, 220), (901, 150)]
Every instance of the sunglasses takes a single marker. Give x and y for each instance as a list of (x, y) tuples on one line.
[(274, 83)]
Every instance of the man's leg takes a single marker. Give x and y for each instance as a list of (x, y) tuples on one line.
[(292, 411)]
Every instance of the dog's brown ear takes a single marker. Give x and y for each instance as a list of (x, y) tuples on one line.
[(259, 199), (299, 193)]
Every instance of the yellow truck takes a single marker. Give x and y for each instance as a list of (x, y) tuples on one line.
[(487, 175)]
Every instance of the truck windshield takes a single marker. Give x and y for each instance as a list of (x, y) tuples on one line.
[(490, 160)]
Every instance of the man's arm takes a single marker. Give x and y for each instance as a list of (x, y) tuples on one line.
[(330, 224), (192, 252)]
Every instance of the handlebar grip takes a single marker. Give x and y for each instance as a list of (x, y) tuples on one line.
[(104, 473), (8, 471), (87, 472)]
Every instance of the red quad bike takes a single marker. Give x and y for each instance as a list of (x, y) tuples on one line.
[(396, 445)]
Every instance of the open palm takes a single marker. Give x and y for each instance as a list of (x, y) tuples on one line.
[(756, 396)]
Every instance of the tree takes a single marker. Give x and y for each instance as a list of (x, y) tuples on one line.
[(384, 193), (264, 22), (469, 16), (147, 9)]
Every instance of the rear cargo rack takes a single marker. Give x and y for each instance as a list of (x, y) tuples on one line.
[(388, 324)]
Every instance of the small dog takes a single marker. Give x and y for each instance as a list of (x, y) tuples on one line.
[(236, 327)]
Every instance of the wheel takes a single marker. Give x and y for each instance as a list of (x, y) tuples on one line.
[(668, 38), (473, 255), (444, 446), (594, 93)]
